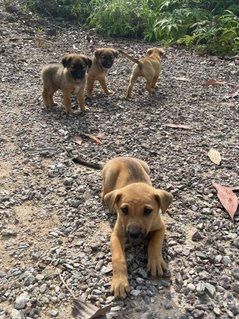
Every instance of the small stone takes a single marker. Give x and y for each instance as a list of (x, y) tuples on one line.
[(53, 313), (191, 287), (15, 314), (135, 292), (142, 273), (217, 311), (200, 287), (227, 261), (197, 236), (21, 301), (68, 181), (210, 289), (8, 232)]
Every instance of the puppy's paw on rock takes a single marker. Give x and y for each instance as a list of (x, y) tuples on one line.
[(120, 286), (156, 266)]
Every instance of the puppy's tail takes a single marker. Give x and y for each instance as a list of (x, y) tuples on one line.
[(87, 164), (129, 57)]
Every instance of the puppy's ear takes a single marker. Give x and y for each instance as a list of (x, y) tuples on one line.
[(115, 53), (111, 199), (161, 52), (164, 199), (150, 51), (66, 61), (98, 53), (87, 61)]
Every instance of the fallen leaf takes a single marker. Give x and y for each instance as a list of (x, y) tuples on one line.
[(227, 198), (231, 95), (214, 156), (77, 140), (186, 127), (94, 138), (214, 82), (100, 135), (85, 310), (182, 78)]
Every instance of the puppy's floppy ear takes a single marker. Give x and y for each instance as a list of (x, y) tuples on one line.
[(164, 199), (111, 199), (66, 61), (98, 53), (115, 53), (150, 51), (87, 61), (161, 52)]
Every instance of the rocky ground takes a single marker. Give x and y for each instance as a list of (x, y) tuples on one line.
[(52, 219)]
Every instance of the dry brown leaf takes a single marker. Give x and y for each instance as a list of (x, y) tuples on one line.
[(77, 140), (227, 198), (214, 82), (214, 156), (182, 78), (85, 310), (100, 136), (231, 95), (93, 138), (186, 127)]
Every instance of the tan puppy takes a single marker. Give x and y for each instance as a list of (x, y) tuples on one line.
[(148, 67), (102, 61), (128, 191), (70, 77)]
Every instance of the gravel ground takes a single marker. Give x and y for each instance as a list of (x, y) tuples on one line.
[(51, 215)]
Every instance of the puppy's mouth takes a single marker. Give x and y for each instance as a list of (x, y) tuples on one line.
[(136, 234), (107, 64), (78, 74)]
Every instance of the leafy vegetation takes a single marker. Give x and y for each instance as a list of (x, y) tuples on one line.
[(209, 26)]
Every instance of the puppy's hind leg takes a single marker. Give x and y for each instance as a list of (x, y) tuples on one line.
[(47, 96), (153, 83), (132, 80)]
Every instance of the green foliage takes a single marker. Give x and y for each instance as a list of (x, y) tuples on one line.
[(61, 10), (209, 26)]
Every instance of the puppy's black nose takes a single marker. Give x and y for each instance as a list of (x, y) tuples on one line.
[(134, 232)]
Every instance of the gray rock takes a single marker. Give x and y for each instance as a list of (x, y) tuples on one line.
[(21, 301), (15, 314)]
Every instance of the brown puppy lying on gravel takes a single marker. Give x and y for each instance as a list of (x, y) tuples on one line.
[(101, 63), (128, 191), (148, 67), (70, 77)]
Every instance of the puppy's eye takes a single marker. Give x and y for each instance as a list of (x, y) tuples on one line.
[(125, 210), (147, 211)]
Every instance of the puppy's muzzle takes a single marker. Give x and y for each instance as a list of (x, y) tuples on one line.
[(107, 63), (135, 233)]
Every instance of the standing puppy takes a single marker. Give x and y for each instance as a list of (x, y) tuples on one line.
[(102, 61), (128, 191), (69, 77), (148, 67)]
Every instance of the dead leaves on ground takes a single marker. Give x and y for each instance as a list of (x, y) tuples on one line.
[(235, 85), (85, 310), (214, 156), (93, 137), (227, 198), (183, 126)]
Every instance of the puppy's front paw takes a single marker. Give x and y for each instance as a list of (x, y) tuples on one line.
[(120, 286), (85, 109), (156, 266)]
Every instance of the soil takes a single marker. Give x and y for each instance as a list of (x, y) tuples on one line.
[(52, 218)]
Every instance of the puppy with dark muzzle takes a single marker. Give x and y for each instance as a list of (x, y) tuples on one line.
[(101, 63), (128, 191), (70, 77)]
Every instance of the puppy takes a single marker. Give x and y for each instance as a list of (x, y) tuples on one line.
[(148, 67), (70, 77), (102, 61), (128, 191)]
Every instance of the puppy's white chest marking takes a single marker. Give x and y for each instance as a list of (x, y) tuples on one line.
[(77, 89)]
